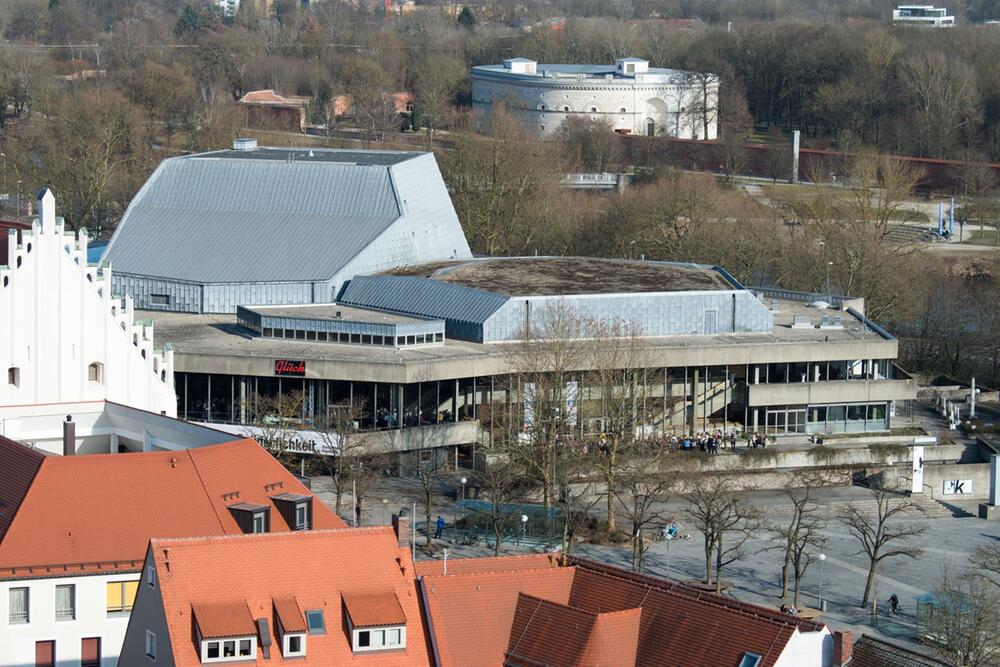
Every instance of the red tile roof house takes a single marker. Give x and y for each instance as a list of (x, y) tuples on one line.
[(74, 531), (353, 596)]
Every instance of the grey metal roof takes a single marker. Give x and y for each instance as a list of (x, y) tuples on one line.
[(255, 216), (384, 158), (426, 297)]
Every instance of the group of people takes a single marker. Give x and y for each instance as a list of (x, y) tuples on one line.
[(712, 442)]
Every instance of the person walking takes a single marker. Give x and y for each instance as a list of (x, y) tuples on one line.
[(440, 527)]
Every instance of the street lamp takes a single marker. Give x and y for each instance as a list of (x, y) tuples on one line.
[(524, 527), (19, 197), (385, 504), (822, 602), (465, 481)]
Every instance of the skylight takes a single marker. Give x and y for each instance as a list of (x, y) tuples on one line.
[(314, 619)]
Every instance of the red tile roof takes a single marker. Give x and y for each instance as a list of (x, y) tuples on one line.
[(545, 633), (474, 613), (20, 464), (316, 568), (223, 619), (98, 512), (288, 612), (373, 609)]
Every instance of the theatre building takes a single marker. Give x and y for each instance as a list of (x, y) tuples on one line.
[(421, 356)]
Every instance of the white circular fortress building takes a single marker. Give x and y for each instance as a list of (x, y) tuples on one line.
[(631, 96)]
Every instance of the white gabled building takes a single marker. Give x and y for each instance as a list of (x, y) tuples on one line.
[(631, 96), (64, 337)]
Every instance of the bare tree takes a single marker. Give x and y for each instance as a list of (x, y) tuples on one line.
[(437, 80), (342, 447), (620, 380), (880, 534), (275, 421), (428, 471), (643, 487), (543, 390), (963, 625), (724, 519), (499, 479), (801, 535)]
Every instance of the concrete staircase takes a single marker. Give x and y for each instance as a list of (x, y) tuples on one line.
[(910, 234)]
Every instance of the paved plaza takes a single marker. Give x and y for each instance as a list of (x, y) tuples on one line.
[(947, 544)]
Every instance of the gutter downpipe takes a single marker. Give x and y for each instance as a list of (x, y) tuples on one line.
[(430, 621)]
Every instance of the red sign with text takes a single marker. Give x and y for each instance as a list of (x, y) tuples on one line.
[(290, 368)]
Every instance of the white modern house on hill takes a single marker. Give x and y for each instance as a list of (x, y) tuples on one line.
[(922, 15), (631, 96)]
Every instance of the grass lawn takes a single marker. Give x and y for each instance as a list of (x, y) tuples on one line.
[(978, 236)]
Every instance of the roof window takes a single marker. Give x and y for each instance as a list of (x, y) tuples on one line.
[(749, 660), (315, 622)]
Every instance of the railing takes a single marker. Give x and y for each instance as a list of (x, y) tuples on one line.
[(836, 300)]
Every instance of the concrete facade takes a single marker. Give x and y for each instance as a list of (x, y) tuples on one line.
[(629, 95), (65, 337)]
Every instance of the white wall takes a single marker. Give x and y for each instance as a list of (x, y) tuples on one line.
[(57, 316), (807, 649), (670, 108), (17, 647)]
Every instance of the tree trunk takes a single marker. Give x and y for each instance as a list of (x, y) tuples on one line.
[(795, 598), (784, 577), (868, 583), (427, 516), (611, 505), (709, 551), (496, 535)]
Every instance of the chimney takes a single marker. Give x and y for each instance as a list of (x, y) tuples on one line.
[(843, 645), (401, 526), (69, 436)]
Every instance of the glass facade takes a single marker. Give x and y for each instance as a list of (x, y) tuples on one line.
[(672, 401)]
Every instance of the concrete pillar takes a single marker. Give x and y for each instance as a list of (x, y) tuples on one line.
[(795, 158), (994, 478), (694, 400)]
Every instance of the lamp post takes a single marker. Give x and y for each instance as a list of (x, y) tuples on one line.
[(822, 602), (465, 480), (524, 527), (19, 197), (385, 504)]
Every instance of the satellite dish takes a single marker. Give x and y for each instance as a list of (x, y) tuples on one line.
[(819, 304)]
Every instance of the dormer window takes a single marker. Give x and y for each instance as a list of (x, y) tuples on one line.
[(252, 518), (292, 626), (225, 632), (376, 622), (295, 509)]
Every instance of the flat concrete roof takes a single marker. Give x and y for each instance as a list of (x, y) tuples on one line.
[(328, 312), (343, 156), (216, 343), (552, 276)]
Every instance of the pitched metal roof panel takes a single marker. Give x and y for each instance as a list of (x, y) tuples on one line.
[(427, 297), (226, 219)]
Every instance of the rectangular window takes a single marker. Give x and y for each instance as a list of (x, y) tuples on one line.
[(394, 637), (151, 578), (259, 523), (18, 606), (229, 648), (356, 339), (750, 660), (364, 639), (159, 299), (150, 645), (66, 602), (301, 517), (245, 647), (90, 652), (294, 644), (268, 332), (121, 596), (45, 654), (14, 376), (315, 623), (378, 638), (212, 650), (300, 334), (310, 335), (321, 335)]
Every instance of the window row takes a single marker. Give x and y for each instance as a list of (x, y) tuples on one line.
[(90, 652), (95, 373), (120, 598), (351, 338)]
